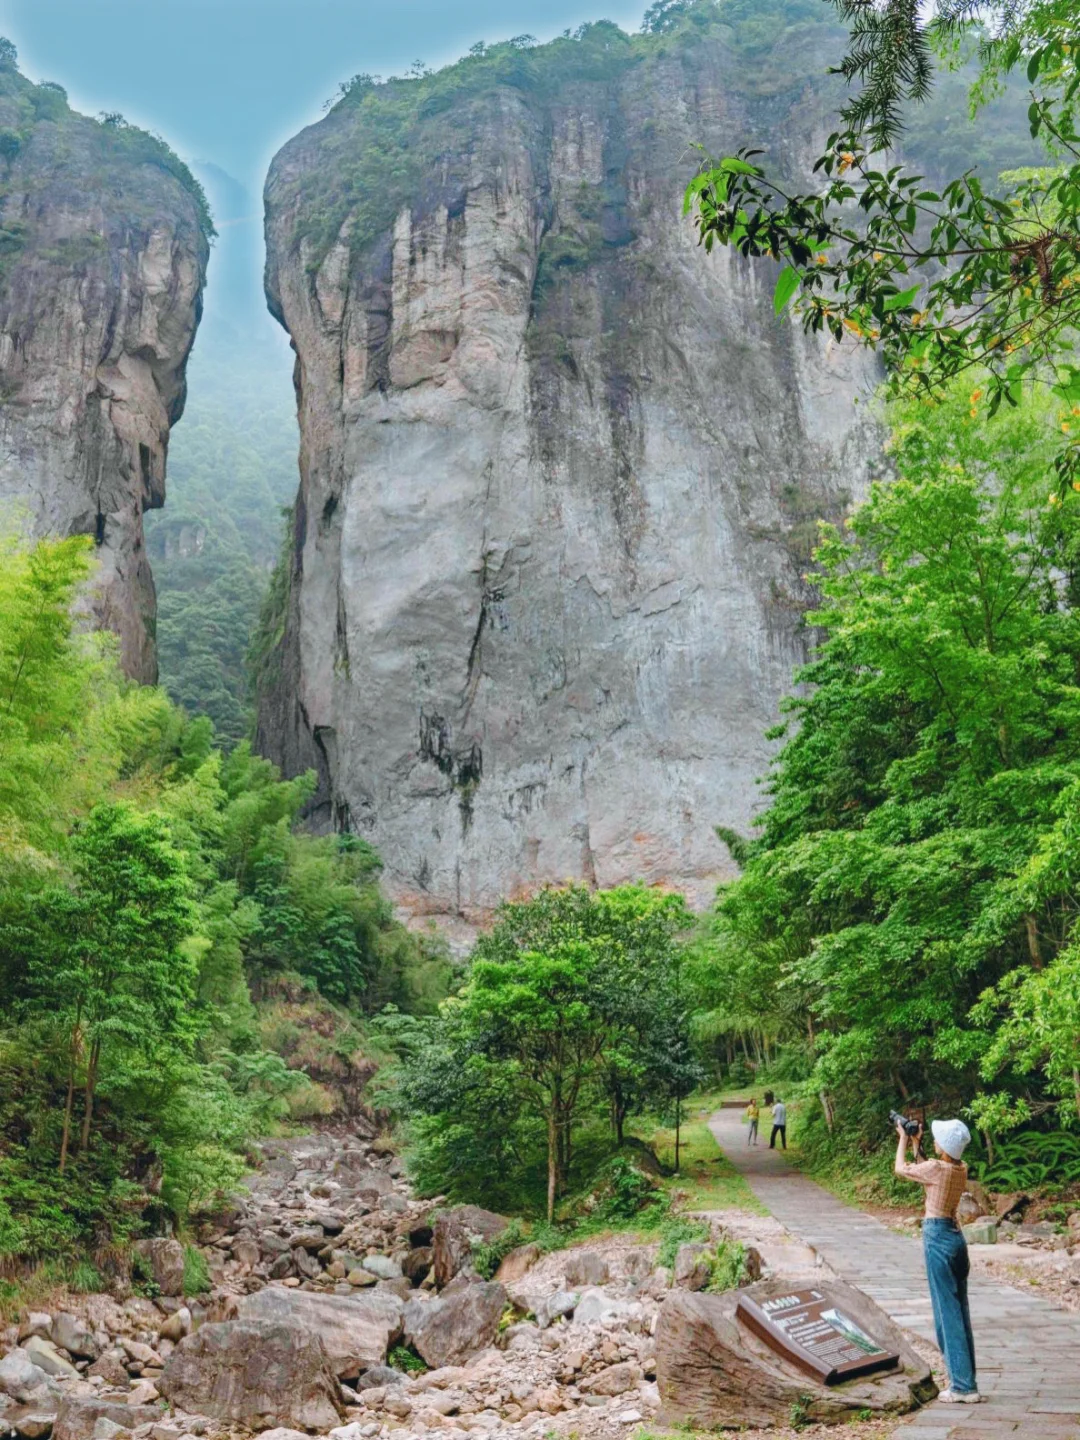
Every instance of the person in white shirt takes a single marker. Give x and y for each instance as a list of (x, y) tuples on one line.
[(779, 1124)]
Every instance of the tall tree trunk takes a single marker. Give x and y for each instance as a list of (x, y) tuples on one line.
[(553, 1163), (91, 1086), (678, 1130), (1032, 928), (1076, 1087), (69, 1105)]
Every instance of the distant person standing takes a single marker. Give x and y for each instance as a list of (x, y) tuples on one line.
[(753, 1114), (779, 1124)]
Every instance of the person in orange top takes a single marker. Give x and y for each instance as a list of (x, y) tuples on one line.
[(945, 1250)]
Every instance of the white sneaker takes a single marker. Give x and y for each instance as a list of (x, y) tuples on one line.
[(957, 1397)]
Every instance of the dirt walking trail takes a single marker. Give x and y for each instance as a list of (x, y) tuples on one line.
[(1028, 1352)]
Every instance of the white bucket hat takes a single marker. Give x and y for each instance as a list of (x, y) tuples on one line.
[(952, 1135)]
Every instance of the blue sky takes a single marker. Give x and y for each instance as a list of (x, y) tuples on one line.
[(230, 80)]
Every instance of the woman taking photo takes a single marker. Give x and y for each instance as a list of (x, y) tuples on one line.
[(947, 1264)]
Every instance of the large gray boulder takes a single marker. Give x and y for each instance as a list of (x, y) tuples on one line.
[(713, 1373), (20, 1377), (356, 1331), (74, 1336), (79, 1414), (447, 1330), (166, 1260), (456, 1234), (47, 1357), (255, 1373)]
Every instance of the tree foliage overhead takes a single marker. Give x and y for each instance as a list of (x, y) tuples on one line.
[(942, 280)]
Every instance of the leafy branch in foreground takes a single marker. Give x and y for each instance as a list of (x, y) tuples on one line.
[(939, 283)]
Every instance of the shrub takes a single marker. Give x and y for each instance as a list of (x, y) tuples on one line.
[(488, 1255), (403, 1357), (728, 1266), (196, 1271), (679, 1230)]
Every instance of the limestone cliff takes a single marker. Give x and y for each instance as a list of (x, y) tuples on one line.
[(559, 467), (103, 251)]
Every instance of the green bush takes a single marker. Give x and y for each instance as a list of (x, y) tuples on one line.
[(1030, 1160), (679, 1230), (728, 1266), (489, 1255), (403, 1357), (196, 1271)]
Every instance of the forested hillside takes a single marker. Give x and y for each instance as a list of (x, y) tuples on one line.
[(179, 967)]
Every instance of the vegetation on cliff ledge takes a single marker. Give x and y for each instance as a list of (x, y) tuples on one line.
[(109, 146)]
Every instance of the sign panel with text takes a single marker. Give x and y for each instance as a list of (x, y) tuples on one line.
[(809, 1331)]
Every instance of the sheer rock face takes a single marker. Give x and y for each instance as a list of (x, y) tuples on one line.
[(559, 476), (101, 275)]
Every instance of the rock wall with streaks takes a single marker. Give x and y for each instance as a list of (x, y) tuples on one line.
[(103, 251), (560, 473)]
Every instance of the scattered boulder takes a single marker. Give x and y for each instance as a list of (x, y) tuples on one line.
[(177, 1325), (981, 1232), (380, 1375), (614, 1380), (47, 1357), (456, 1233), (356, 1331), (968, 1209), (517, 1264), (714, 1373), (382, 1266), (416, 1266), (597, 1307), (166, 1260), (34, 1421), (553, 1307), (256, 1373), (450, 1328), (693, 1266), (74, 1336), (1012, 1206), (1073, 1223), (20, 1377), (247, 1253), (110, 1366), (585, 1267), (311, 1237), (78, 1415)]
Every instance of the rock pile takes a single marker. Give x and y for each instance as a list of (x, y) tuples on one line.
[(342, 1306), (332, 1290)]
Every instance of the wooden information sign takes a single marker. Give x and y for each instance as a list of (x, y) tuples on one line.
[(807, 1330)]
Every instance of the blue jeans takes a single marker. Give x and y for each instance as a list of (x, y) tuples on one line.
[(947, 1269)]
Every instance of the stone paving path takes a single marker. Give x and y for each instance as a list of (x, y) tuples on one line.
[(1028, 1352)]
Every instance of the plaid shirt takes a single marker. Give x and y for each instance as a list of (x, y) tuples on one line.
[(944, 1185)]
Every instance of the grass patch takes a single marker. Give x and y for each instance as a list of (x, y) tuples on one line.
[(41, 1288), (196, 1271), (707, 1180)]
